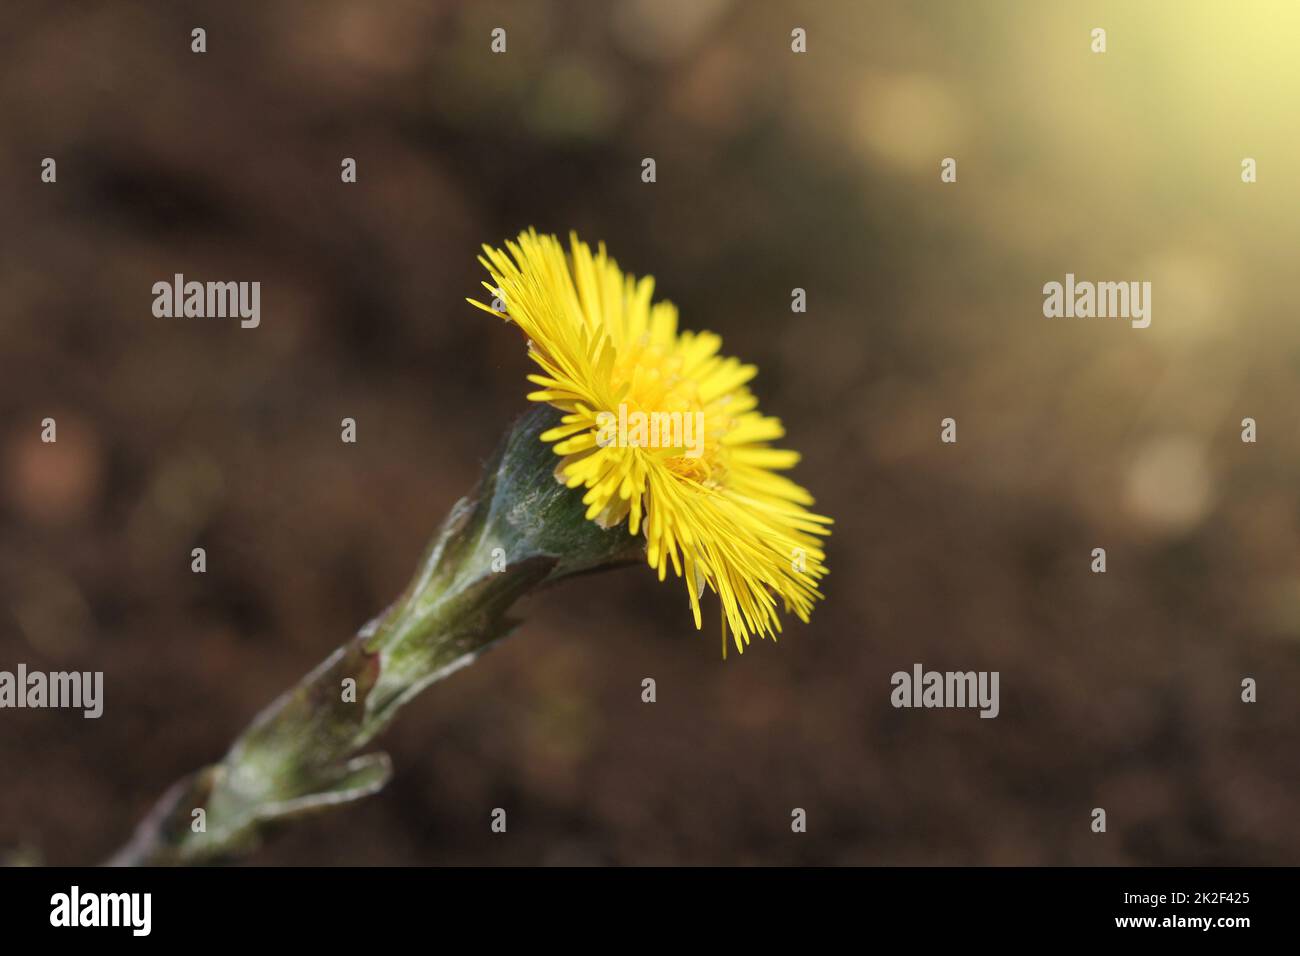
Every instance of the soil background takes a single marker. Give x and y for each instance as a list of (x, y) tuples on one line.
[(775, 171)]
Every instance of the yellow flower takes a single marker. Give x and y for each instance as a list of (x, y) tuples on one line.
[(709, 499)]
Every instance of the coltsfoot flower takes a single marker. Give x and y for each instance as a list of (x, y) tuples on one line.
[(662, 430)]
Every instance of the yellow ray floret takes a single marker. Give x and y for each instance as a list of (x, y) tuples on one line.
[(709, 499)]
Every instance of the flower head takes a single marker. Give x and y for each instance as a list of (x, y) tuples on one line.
[(662, 430)]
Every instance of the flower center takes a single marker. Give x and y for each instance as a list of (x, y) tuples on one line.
[(668, 402)]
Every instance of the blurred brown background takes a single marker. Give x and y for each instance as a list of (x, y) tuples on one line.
[(775, 170)]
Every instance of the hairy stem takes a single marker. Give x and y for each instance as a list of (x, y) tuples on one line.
[(519, 530)]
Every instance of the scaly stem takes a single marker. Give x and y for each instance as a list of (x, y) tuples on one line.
[(518, 531)]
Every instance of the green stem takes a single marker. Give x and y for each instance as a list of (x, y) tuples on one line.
[(519, 530)]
